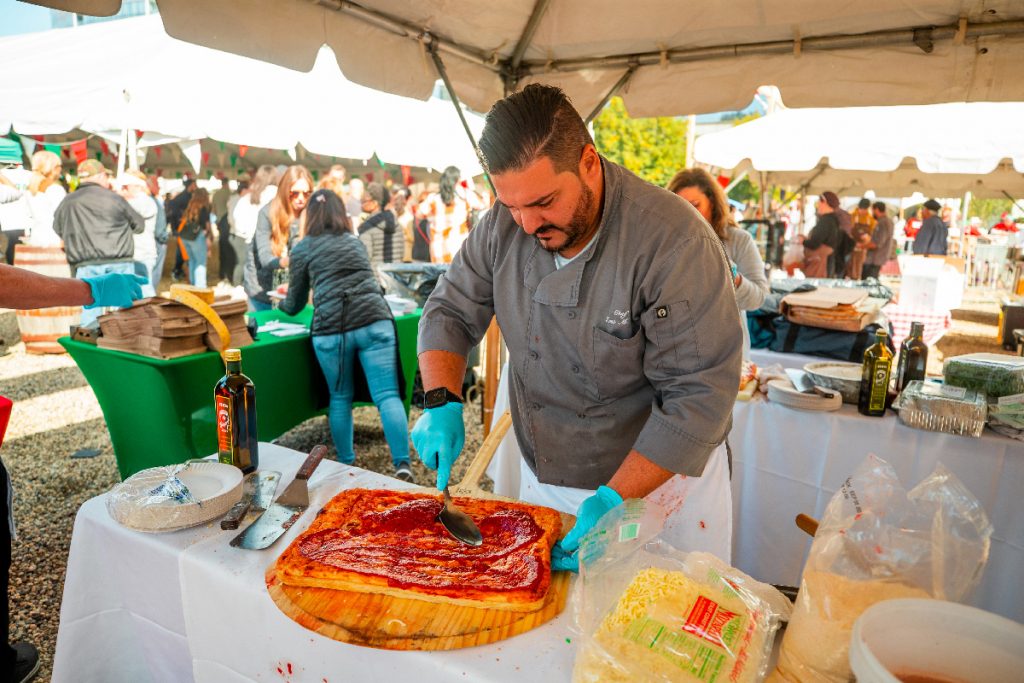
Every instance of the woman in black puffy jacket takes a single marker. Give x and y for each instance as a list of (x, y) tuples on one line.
[(350, 318)]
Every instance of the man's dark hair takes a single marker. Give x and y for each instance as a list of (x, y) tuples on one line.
[(879, 206), (864, 203), (538, 121), (326, 213)]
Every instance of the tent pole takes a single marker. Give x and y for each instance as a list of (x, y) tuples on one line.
[(1010, 197), (611, 93), (443, 73), (736, 181), (512, 73), (764, 197), (691, 137), (897, 37)]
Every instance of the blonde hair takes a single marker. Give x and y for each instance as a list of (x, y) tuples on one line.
[(46, 168), (332, 183), (281, 213)]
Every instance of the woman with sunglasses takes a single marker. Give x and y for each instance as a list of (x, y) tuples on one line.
[(350, 318), (278, 228)]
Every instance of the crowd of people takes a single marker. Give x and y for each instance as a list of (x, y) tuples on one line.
[(610, 292)]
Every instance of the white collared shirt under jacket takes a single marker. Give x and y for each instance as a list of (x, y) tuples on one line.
[(635, 344)]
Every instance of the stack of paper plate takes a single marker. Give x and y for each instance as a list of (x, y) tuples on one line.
[(138, 504), (783, 392)]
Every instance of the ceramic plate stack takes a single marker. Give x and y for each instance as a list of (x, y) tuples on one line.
[(136, 503), (783, 392)]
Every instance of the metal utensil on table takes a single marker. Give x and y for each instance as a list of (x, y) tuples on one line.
[(284, 511), (805, 385), (257, 493), (457, 523)]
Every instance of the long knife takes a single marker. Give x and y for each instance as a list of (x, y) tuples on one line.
[(257, 493), (284, 511)]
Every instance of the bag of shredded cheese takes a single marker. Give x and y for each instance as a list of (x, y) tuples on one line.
[(650, 612)]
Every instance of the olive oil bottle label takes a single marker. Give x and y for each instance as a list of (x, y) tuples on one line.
[(224, 445), (879, 384)]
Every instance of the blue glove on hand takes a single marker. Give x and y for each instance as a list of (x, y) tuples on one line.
[(438, 437), (564, 556), (115, 289)]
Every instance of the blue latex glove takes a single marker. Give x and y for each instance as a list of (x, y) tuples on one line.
[(115, 289), (564, 554), (438, 437)]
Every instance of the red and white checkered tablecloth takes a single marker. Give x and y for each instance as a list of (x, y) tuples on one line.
[(935, 322)]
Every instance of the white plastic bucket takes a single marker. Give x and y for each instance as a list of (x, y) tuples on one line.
[(945, 640)]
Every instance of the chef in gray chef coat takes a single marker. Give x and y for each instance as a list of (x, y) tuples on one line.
[(615, 300)]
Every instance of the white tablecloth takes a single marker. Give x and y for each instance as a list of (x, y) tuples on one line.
[(786, 462), (186, 606)]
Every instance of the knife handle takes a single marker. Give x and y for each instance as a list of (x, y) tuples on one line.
[(235, 514), (315, 456)]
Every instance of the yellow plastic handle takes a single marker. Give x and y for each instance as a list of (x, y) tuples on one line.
[(204, 309)]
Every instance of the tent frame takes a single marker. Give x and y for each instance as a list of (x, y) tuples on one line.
[(514, 68)]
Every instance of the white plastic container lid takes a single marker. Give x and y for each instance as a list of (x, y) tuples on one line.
[(944, 639)]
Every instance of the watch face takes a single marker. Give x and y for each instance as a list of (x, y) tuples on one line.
[(435, 398)]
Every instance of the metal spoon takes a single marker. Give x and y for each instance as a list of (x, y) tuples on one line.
[(460, 525)]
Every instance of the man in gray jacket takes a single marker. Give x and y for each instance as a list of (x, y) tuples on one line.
[(97, 225), (616, 303)]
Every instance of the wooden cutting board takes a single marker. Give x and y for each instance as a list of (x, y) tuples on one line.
[(402, 624), (392, 623)]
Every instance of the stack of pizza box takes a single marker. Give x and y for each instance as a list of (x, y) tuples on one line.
[(163, 328)]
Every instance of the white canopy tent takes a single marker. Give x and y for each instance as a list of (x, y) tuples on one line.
[(142, 79), (673, 57), (937, 150)]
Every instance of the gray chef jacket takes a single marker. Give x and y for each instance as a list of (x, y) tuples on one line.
[(634, 344)]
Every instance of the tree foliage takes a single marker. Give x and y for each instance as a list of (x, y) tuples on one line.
[(652, 148), (989, 210)]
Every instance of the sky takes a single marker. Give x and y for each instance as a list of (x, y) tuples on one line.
[(19, 17)]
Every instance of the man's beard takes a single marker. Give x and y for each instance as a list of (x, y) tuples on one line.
[(578, 225)]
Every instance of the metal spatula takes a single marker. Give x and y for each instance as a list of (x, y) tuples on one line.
[(460, 525), (284, 511)]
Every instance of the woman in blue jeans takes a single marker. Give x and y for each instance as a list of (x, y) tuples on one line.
[(351, 319), (195, 235)]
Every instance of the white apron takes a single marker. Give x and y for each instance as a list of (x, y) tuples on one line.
[(699, 508)]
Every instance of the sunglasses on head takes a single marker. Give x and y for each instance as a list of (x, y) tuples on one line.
[(295, 194)]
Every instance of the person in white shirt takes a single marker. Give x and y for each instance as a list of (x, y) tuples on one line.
[(134, 189), (43, 196), (245, 214), (235, 265)]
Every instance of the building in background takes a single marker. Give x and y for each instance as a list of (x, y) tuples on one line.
[(129, 8)]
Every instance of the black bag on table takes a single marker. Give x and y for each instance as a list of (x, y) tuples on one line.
[(816, 341)]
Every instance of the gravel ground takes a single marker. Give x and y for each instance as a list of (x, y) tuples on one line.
[(56, 414)]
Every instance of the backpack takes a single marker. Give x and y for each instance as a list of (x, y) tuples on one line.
[(778, 334), (189, 231)]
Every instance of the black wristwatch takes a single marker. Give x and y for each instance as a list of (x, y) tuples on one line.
[(435, 398)]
